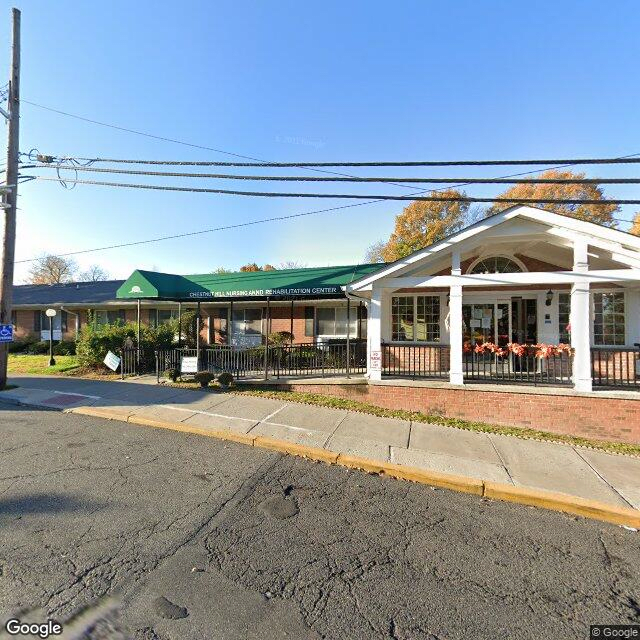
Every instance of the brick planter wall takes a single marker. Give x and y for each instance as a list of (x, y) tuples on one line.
[(604, 418)]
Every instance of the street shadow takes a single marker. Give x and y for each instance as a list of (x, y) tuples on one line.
[(46, 503)]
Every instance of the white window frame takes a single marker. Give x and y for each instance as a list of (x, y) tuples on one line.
[(489, 256), (592, 322), (415, 296)]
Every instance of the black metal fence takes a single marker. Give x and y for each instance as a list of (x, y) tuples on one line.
[(616, 367), (298, 360), (555, 369), (432, 362), (416, 361), (135, 362)]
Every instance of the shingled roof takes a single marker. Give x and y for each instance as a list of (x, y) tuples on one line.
[(69, 293)]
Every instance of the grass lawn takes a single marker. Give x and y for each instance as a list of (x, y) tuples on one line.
[(19, 363)]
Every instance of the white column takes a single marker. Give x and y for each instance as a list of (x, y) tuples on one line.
[(374, 335), (455, 324), (580, 320)]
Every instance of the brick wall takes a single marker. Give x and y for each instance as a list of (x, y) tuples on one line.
[(590, 417)]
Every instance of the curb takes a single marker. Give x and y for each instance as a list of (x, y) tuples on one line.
[(540, 498)]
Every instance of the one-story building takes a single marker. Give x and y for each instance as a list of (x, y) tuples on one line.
[(524, 318), (237, 309)]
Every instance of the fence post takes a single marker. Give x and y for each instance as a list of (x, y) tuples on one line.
[(157, 367), (122, 364), (266, 344)]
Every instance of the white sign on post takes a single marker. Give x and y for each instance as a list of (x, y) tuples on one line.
[(189, 364), (112, 361), (375, 361)]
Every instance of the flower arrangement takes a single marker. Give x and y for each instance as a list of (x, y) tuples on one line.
[(541, 350)]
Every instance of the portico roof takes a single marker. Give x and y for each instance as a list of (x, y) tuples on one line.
[(518, 228), (310, 283)]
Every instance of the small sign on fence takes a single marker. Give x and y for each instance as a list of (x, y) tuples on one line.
[(375, 361), (189, 364), (112, 361), (6, 333)]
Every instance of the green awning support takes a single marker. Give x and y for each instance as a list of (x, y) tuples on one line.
[(316, 282)]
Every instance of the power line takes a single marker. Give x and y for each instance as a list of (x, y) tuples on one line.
[(176, 141), (318, 211), (227, 176), (628, 159), (212, 230), (202, 231), (336, 196)]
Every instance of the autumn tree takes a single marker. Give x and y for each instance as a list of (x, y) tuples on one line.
[(374, 252), (94, 273), (635, 227), (49, 269), (252, 266), (598, 213), (424, 222)]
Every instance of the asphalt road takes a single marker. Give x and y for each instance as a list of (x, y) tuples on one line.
[(197, 538)]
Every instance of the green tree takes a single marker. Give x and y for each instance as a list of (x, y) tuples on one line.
[(598, 213), (424, 222)]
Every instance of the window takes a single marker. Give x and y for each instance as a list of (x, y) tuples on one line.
[(332, 321), (564, 314), (608, 319), (103, 316), (309, 319), (415, 318), (14, 319), (496, 264), (247, 321), (162, 316)]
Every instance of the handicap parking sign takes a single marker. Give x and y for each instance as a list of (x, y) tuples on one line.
[(6, 333)]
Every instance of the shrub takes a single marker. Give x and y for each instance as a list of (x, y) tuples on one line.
[(65, 348), (204, 378), (94, 342), (22, 345), (225, 379), (37, 347), (173, 373), (279, 338)]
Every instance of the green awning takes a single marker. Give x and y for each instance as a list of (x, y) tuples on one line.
[(316, 282)]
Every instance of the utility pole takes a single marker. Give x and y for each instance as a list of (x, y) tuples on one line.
[(10, 196)]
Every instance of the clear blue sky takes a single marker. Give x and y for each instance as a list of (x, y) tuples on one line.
[(306, 81)]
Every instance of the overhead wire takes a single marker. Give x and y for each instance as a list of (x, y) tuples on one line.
[(348, 196), (560, 165), (229, 176)]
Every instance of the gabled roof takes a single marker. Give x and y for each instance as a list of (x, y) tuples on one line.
[(68, 293), (316, 282), (598, 232)]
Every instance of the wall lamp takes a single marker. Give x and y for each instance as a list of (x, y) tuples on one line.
[(549, 298)]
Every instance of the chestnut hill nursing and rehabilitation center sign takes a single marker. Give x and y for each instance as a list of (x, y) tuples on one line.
[(311, 283)]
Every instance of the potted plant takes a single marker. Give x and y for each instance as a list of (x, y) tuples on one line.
[(225, 379), (204, 378)]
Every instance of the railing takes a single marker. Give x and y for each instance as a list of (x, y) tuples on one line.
[(135, 362), (415, 361), (320, 359), (616, 367), (312, 359), (520, 369)]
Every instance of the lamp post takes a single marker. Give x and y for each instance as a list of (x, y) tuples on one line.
[(51, 314)]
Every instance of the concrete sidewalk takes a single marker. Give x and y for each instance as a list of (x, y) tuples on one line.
[(576, 471)]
